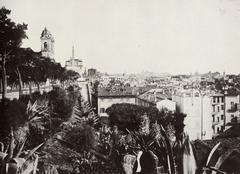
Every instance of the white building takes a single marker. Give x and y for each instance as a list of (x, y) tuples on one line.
[(166, 104), (225, 108), (197, 106), (232, 107), (75, 64), (218, 113), (107, 98)]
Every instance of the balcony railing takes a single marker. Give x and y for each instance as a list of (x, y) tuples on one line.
[(214, 123)]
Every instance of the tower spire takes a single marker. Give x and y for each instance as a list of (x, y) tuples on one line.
[(72, 52)]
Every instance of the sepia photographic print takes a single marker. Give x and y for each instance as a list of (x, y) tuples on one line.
[(120, 87)]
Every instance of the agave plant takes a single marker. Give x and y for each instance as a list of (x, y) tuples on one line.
[(145, 142), (188, 158), (169, 151), (34, 117), (14, 160), (85, 113), (217, 166)]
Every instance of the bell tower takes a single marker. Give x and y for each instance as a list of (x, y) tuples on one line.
[(47, 44)]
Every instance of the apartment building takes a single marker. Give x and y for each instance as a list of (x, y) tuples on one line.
[(225, 107), (197, 106), (218, 113)]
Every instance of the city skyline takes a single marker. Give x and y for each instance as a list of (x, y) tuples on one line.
[(131, 36)]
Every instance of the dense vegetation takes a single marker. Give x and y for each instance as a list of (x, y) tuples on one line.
[(128, 116), (69, 135)]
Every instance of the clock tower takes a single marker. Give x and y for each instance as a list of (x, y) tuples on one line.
[(47, 44)]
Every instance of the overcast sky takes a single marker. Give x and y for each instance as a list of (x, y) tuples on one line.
[(116, 36)]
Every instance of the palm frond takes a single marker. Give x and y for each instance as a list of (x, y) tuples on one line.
[(20, 149), (212, 152), (222, 159), (37, 110), (32, 151), (170, 158)]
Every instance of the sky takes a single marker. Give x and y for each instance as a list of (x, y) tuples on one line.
[(130, 36)]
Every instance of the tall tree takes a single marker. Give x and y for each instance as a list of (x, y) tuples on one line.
[(11, 35), (19, 67)]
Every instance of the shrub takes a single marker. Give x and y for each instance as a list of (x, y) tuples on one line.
[(61, 104)]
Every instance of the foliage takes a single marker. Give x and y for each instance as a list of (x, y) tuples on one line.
[(11, 38), (69, 75), (95, 94), (47, 169), (128, 116), (60, 103), (14, 160), (178, 124), (223, 162), (11, 33)]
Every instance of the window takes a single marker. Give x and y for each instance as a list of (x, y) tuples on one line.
[(221, 128), (102, 110), (221, 117), (218, 108), (222, 99), (213, 118), (214, 99), (218, 119), (213, 108), (45, 45), (218, 99), (218, 130), (232, 103), (222, 107)]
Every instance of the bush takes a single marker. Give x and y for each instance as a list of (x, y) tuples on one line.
[(128, 116), (12, 115), (61, 104)]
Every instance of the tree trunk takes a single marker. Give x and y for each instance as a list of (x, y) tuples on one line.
[(4, 78), (20, 85)]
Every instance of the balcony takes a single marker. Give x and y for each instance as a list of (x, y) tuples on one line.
[(214, 123)]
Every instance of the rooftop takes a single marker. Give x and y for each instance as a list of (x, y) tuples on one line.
[(117, 92), (155, 95)]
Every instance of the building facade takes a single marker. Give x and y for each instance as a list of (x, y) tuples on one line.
[(107, 98), (75, 64), (225, 108), (47, 44), (218, 112), (166, 104), (197, 106)]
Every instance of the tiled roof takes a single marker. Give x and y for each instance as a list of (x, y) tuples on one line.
[(154, 95), (116, 92)]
